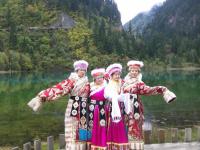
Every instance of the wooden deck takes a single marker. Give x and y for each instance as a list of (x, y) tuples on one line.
[(173, 146)]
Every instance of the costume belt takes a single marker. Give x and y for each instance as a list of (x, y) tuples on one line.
[(79, 106), (136, 107), (79, 109), (102, 112)]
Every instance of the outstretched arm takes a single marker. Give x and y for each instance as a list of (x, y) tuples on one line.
[(51, 94), (143, 89), (57, 91)]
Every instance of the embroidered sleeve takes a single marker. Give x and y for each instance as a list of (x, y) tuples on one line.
[(142, 89), (57, 91)]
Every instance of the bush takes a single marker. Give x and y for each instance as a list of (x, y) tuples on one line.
[(25, 62), (4, 61)]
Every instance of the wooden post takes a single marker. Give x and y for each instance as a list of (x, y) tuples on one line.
[(82, 145), (61, 141), (188, 134), (174, 135), (15, 148), (37, 145), (147, 136), (50, 143), (161, 135), (198, 133), (27, 146)]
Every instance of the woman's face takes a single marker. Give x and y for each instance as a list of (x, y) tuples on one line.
[(81, 73), (99, 80), (116, 76), (134, 71)]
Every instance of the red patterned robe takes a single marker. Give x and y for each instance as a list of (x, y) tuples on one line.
[(138, 87), (78, 89)]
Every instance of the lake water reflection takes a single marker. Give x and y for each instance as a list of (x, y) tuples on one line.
[(18, 124)]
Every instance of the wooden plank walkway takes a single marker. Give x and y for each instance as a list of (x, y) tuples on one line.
[(173, 146)]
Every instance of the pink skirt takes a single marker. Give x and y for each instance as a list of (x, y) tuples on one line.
[(98, 140), (117, 138)]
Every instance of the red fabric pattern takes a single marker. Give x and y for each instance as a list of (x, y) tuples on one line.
[(85, 91), (135, 126), (142, 89), (58, 90)]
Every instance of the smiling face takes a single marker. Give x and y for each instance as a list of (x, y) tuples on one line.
[(99, 80), (116, 76), (81, 73), (134, 72)]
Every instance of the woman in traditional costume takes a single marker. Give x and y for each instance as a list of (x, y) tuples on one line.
[(97, 110), (77, 86), (134, 85), (116, 132)]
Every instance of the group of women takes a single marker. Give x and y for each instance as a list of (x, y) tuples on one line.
[(106, 114)]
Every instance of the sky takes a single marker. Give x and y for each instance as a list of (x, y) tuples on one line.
[(130, 8)]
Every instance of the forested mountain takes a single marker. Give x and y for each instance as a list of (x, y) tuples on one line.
[(173, 35), (51, 34), (29, 39)]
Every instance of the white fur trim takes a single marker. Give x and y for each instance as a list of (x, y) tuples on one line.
[(112, 66), (135, 62), (169, 96), (111, 94), (99, 70), (35, 103), (73, 76), (76, 63), (139, 77), (95, 90)]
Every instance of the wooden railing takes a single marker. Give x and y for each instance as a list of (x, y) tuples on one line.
[(174, 136), (161, 138), (38, 146)]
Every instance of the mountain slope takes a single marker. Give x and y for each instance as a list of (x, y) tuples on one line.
[(173, 34), (140, 22), (176, 16)]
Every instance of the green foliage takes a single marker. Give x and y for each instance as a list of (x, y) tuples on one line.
[(25, 62), (97, 35), (3, 39), (25, 44), (3, 61), (92, 38), (14, 58)]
